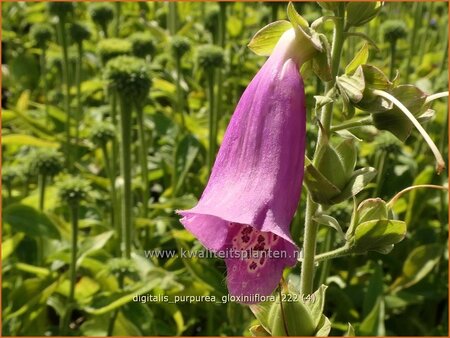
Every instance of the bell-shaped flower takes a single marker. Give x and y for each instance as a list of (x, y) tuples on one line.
[(246, 209)]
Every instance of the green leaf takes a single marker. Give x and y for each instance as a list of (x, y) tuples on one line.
[(357, 182), (374, 289), (297, 319), (350, 331), (30, 221), (258, 331), (418, 265), (347, 152), (117, 300), (10, 244), (394, 120), (360, 58), (186, 153), (359, 13), (92, 244), (319, 187), (373, 324), (376, 234), (316, 305), (331, 222), (27, 140), (324, 327), (267, 37), (295, 18)]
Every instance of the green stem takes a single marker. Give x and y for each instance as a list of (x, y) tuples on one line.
[(65, 74), (325, 268), (117, 22), (112, 184), (173, 18), (44, 82), (222, 24), (125, 166), (352, 124), (180, 100), (311, 227), (42, 178), (212, 120), (380, 172), (393, 56), (143, 160), (79, 107), (309, 248), (412, 42), (339, 252)]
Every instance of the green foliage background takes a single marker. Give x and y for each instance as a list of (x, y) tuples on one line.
[(402, 293)]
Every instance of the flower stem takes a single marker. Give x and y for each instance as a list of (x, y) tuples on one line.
[(339, 252), (143, 159), (65, 74), (44, 82), (180, 99), (439, 159), (435, 97), (42, 180), (311, 227), (394, 199), (117, 21), (352, 124), (79, 107), (393, 55), (111, 178), (212, 120), (125, 166)]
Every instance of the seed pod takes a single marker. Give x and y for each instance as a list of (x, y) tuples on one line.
[(111, 48), (41, 34), (210, 56), (79, 32), (46, 162), (129, 77), (142, 44)]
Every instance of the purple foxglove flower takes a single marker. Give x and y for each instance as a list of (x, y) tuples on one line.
[(256, 181)]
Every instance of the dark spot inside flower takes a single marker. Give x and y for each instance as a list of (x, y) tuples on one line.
[(261, 261), (260, 238), (253, 266), (247, 230), (259, 246), (275, 237), (245, 238)]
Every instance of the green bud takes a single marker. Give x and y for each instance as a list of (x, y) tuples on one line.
[(297, 319), (61, 9), (101, 13), (179, 45), (41, 33), (210, 56), (73, 189), (371, 209), (142, 44), (393, 30), (129, 77), (377, 235), (45, 162), (111, 48), (359, 13), (79, 33), (102, 133)]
